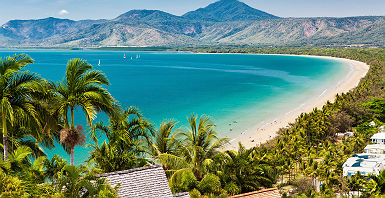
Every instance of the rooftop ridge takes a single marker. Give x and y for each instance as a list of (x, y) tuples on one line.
[(256, 192), (183, 194), (130, 170)]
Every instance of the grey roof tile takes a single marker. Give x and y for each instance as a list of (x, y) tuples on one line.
[(182, 195), (145, 182)]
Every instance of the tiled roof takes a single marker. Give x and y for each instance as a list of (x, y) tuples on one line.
[(266, 193), (149, 181), (182, 195)]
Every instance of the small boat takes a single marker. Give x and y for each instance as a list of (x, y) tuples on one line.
[(99, 63), (124, 56), (137, 56), (131, 57)]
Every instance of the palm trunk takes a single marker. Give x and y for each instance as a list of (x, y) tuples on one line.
[(5, 137), (72, 118), (5, 144), (72, 127), (73, 156), (282, 177)]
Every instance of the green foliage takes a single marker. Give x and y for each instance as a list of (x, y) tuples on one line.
[(304, 185), (210, 184), (11, 187), (43, 190), (17, 162), (377, 106), (53, 166), (20, 97), (127, 134), (232, 188), (195, 193), (163, 140), (247, 169), (228, 11), (72, 181), (198, 145), (81, 87), (183, 181)]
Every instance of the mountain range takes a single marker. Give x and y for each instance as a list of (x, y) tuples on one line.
[(226, 22)]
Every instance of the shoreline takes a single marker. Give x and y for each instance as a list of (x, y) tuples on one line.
[(258, 134)]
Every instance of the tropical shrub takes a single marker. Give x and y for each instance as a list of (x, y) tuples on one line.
[(232, 188), (195, 193), (304, 185), (11, 186), (210, 184), (127, 136), (75, 182), (183, 183)]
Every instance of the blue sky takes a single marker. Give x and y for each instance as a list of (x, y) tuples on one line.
[(108, 9)]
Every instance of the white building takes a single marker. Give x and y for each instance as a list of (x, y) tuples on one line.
[(372, 161), (364, 163), (372, 123), (375, 149), (378, 138)]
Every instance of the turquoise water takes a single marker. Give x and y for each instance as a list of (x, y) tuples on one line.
[(170, 85)]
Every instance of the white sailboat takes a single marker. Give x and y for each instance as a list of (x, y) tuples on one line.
[(124, 56), (99, 63)]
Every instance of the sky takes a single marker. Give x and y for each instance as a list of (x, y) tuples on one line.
[(108, 9)]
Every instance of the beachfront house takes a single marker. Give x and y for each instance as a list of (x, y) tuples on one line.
[(378, 138), (364, 163), (149, 181), (372, 161), (375, 149)]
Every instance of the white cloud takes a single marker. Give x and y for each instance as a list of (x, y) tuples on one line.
[(63, 12)]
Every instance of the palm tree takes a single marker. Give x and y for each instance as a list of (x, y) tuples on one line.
[(19, 91), (245, 169), (72, 137), (127, 134), (163, 140), (199, 146), (82, 87), (379, 181), (53, 166), (17, 161), (79, 182)]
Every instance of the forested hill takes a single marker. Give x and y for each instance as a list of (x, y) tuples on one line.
[(226, 22)]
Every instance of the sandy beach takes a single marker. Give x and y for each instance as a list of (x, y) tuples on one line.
[(260, 133)]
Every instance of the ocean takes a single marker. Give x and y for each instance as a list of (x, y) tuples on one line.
[(236, 90)]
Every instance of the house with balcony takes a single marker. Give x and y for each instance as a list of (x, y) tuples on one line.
[(378, 138), (364, 163), (375, 149), (372, 161)]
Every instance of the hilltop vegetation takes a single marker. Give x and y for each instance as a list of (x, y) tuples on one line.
[(227, 22), (228, 10)]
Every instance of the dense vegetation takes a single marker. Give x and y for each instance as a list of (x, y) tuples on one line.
[(36, 112)]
